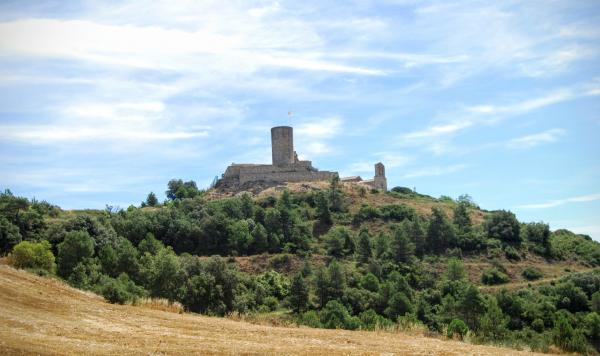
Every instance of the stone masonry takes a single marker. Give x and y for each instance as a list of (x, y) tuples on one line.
[(285, 167)]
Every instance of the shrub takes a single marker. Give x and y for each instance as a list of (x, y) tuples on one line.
[(402, 190), (33, 255), (271, 303), (365, 213), (532, 273), (336, 316), (457, 327), (77, 246), (114, 292), (511, 253), (492, 276), (310, 318), (504, 226), (397, 212)]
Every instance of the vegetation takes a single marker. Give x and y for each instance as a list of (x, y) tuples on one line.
[(332, 260)]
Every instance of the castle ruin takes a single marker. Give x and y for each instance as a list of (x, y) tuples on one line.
[(286, 167)]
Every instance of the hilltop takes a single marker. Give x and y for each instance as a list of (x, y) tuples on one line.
[(329, 255)]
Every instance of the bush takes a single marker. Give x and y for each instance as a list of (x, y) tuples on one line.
[(310, 318), (336, 316), (77, 246), (33, 255), (504, 226), (532, 273), (492, 276), (511, 253), (457, 327)]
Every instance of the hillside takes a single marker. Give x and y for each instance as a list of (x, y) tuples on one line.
[(324, 255), (44, 316)]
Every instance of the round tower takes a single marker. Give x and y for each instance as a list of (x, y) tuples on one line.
[(282, 145)]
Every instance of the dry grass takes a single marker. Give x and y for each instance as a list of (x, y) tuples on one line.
[(45, 317), (160, 304)]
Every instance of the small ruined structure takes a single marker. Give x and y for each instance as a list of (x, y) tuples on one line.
[(378, 182), (286, 167)]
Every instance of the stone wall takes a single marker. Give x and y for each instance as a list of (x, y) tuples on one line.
[(282, 145)]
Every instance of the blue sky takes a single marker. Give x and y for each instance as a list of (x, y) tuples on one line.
[(102, 102)]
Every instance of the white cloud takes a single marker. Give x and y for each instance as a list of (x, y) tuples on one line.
[(559, 202), (319, 128), (154, 47), (537, 139), (490, 113), (434, 171)]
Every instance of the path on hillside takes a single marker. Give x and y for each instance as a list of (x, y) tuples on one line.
[(44, 316)]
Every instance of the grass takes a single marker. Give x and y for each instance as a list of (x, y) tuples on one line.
[(45, 316)]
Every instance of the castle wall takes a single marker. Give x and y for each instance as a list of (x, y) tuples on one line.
[(282, 145)]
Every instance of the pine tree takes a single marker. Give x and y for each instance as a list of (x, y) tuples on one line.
[(298, 294), (402, 249), (462, 220), (440, 233), (335, 193), (471, 306), (382, 246), (321, 285), (492, 324), (151, 200), (364, 246), (322, 207), (417, 234)]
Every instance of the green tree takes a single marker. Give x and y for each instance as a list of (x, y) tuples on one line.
[(336, 316), (382, 245), (9, 235), (260, 239), (398, 305), (77, 246), (462, 220), (247, 206), (539, 235), (440, 234), (321, 286), (35, 255), (455, 270), (163, 274), (336, 280), (298, 294), (457, 327), (418, 236), (472, 305), (492, 324), (322, 207), (504, 226), (178, 189), (595, 304), (151, 200), (402, 249), (335, 193), (566, 337), (365, 250)]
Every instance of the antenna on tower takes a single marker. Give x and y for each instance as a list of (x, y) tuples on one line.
[(290, 115)]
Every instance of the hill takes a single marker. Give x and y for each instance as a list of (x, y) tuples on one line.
[(326, 255), (45, 317)]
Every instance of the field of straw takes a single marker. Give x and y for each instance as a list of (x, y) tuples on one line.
[(44, 316)]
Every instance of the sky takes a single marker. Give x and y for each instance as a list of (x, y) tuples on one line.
[(103, 102)]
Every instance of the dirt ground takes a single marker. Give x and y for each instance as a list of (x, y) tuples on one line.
[(44, 316)]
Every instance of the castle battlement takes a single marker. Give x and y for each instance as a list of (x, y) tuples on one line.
[(285, 167)]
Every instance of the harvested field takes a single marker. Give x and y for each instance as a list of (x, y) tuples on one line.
[(44, 316)]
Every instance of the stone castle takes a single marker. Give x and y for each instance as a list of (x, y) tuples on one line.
[(286, 168)]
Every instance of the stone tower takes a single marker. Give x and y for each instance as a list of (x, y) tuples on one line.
[(379, 181), (282, 145)]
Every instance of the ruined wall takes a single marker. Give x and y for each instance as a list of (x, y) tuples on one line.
[(282, 145)]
